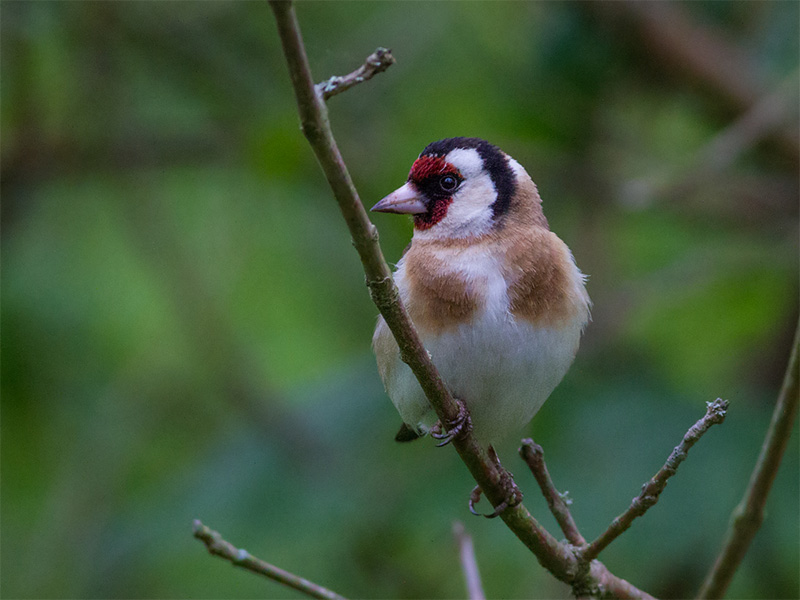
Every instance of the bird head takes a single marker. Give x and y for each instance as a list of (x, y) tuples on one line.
[(461, 187)]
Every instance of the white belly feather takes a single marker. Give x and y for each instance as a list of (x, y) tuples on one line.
[(503, 368)]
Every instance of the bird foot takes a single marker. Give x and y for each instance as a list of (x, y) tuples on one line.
[(513, 493), (513, 498), (455, 428)]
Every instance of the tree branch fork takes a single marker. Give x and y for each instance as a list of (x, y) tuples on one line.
[(573, 560)]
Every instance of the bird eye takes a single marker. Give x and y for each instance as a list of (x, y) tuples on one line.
[(448, 183)]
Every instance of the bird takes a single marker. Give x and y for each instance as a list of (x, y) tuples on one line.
[(496, 296)]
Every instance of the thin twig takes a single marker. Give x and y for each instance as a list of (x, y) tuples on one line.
[(651, 490), (749, 514), (377, 62), (241, 558), (556, 557), (533, 455), (469, 565)]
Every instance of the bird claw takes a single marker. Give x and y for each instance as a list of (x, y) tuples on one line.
[(513, 499), (455, 428)]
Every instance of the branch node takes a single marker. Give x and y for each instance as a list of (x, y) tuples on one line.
[(384, 293), (373, 233), (717, 410)]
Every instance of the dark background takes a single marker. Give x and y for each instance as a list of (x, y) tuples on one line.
[(186, 330)]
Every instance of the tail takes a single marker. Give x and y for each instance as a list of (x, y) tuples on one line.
[(406, 434)]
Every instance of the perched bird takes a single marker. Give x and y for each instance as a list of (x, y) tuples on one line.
[(495, 295)]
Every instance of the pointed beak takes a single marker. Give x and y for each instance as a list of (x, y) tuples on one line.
[(403, 201)]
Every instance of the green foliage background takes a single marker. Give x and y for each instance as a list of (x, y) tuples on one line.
[(186, 329)]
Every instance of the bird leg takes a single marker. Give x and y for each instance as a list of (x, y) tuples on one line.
[(513, 494), (455, 428)]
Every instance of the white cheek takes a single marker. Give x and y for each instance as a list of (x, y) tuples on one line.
[(470, 210), (469, 214)]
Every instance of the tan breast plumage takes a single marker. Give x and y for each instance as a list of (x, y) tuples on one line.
[(439, 296), (544, 286), (444, 288)]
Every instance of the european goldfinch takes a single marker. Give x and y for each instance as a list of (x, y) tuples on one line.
[(495, 295)]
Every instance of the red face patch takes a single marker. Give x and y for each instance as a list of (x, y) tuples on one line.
[(426, 173), (436, 212), (430, 166)]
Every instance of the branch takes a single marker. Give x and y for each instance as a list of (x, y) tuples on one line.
[(652, 489), (749, 514), (241, 558), (377, 62), (558, 558), (469, 565), (533, 455)]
